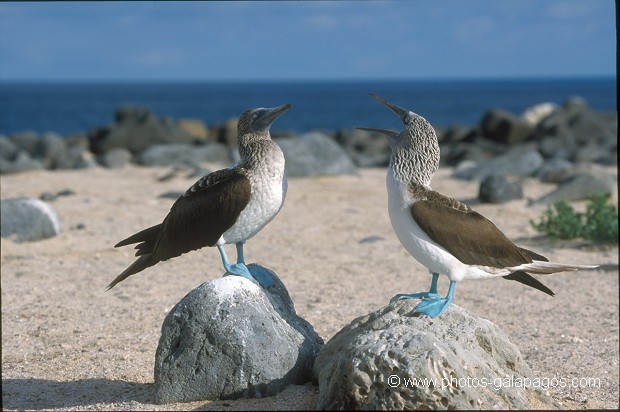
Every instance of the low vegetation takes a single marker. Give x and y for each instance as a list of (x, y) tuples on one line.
[(598, 223)]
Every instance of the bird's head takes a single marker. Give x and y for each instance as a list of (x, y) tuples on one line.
[(259, 120), (416, 127), (415, 150)]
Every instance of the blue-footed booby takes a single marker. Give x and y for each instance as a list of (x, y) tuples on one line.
[(443, 234), (226, 206)]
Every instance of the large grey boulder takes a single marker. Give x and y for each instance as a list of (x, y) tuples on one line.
[(116, 158), (366, 149), (396, 359), (22, 162), (504, 127), (314, 154), (27, 141), (184, 155), (578, 134), (555, 170), (230, 338), (579, 187), (135, 129), (519, 161), (52, 150), (28, 219), (8, 149)]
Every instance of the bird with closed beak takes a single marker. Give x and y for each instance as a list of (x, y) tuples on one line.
[(227, 206)]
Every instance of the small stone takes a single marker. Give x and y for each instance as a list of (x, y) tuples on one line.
[(115, 158), (555, 170), (498, 189), (28, 219)]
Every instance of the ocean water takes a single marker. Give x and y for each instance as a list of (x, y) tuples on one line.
[(327, 105)]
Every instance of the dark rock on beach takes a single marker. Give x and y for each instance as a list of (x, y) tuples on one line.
[(314, 154), (135, 129), (580, 187), (501, 126), (20, 163), (501, 143), (184, 155), (499, 189), (115, 158), (366, 149), (519, 161), (230, 338), (581, 134)]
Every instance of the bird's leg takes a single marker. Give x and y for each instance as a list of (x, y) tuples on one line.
[(432, 293), (434, 307), (234, 269), (257, 272), (240, 269), (240, 259)]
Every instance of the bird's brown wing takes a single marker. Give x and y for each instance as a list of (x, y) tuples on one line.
[(472, 238), (198, 218), (467, 235)]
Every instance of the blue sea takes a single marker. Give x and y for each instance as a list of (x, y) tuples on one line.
[(69, 108)]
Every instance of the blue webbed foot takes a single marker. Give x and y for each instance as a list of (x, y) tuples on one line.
[(432, 304), (257, 275), (433, 307), (432, 293)]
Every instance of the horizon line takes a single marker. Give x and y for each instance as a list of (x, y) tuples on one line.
[(311, 80)]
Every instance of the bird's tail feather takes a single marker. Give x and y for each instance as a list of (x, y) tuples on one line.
[(139, 265), (546, 268), (530, 281), (142, 236)]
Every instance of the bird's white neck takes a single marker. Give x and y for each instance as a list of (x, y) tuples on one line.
[(263, 157)]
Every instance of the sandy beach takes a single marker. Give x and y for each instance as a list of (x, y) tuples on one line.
[(67, 344)]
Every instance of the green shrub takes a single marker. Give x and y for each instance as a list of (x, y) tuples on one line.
[(598, 223)]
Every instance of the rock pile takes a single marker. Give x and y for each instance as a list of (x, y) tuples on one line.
[(547, 141)]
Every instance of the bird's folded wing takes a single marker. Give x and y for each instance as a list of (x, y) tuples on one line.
[(200, 217), (466, 234)]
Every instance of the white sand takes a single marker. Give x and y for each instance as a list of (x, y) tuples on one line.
[(68, 344)]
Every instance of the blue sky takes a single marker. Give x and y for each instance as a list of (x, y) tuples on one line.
[(423, 39)]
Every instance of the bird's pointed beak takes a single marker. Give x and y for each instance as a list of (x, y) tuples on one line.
[(267, 116), (391, 134), (401, 112)]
